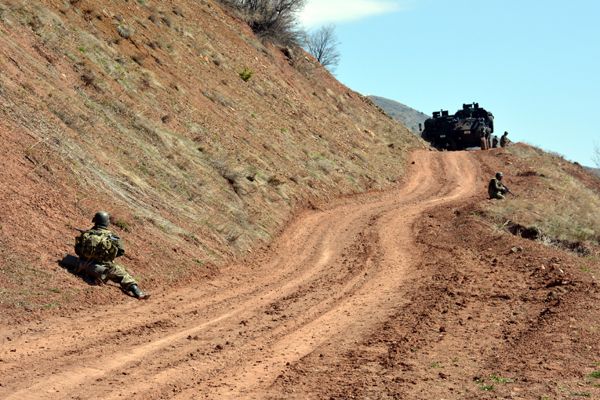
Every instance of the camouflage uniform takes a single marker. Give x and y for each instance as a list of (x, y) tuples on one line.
[(496, 189), (488, 138), (483, 142), (482, 136), (504, 140), (103, 271), (97, 248)]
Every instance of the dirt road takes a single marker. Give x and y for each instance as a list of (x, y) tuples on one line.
[(328, 281)]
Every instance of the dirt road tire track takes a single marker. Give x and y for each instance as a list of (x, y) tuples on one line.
[(332, 276)]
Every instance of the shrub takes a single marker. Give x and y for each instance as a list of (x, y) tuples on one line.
[(272, 20), (595, 374), (125, 32), (246, 74), (124, 225)]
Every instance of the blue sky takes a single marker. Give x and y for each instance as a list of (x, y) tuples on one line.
[(535, 64)]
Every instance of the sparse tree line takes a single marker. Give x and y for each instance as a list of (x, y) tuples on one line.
[(277, 21)]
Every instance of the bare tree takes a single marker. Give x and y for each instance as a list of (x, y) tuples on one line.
[(323, 45), (596, 156)]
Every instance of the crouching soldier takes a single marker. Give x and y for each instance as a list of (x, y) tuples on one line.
[(495, 142), (97, 248), (496, 188)]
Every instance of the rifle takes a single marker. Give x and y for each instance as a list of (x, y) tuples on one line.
[(508, 191)]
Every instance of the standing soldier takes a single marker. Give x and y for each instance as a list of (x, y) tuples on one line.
[(496, 189), (482, 129), (483, 140), (504, 140), (97, 248)]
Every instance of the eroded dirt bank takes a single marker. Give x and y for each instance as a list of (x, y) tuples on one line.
[(399, 294)]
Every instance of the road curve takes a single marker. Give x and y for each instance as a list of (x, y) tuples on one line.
[(330, 278)]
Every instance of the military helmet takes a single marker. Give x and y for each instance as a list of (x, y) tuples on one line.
[(499, 175), (101, 219)]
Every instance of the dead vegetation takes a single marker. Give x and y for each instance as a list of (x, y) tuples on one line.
[(272, 20)]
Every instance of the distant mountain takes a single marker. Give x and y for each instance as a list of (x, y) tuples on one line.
[(410, 117), (595, 171)]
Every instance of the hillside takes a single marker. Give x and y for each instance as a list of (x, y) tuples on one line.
[(298, 242), (409, 117), (140, 108)]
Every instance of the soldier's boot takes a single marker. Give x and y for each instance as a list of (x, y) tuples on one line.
[(137, 292)]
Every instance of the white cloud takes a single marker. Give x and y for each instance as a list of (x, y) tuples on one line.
[(319, 12)]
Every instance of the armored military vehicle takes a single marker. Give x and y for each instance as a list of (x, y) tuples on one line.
[(460, 130)]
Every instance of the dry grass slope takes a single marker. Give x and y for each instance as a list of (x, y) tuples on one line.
[(568, 211), (138, 107)]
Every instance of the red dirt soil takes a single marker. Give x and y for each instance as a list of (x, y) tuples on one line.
[(398, 294)]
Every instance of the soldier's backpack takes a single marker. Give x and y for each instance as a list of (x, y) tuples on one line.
[(97, 245)]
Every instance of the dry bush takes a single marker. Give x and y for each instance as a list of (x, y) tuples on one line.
[(272, 20)]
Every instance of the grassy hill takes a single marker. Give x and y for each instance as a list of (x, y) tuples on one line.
[(556, 197), (201, 140), (409, 117)]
